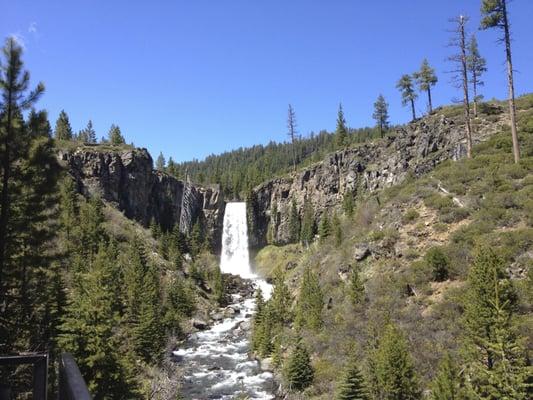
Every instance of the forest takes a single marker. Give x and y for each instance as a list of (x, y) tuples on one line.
[(420, 290)]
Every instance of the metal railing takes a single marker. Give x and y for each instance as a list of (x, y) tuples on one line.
[(71, 383)]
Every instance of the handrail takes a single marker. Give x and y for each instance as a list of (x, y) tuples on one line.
[(72, 386)]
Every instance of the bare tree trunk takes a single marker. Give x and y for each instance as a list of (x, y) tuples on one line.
[(512, 109), (466, 101), (474, 89), (413, 109), (429, 99)]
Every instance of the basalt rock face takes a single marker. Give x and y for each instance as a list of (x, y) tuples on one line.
[(414, 149), (126, 179)]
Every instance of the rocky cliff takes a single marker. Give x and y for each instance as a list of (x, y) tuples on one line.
[(413, 149), (126, 178)]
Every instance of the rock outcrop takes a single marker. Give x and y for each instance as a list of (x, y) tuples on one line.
[(414, 149), (126, 179)]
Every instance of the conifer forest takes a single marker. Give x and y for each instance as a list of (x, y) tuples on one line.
[(390, 260)]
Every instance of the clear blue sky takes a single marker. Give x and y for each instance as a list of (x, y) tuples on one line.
[(194, 77)]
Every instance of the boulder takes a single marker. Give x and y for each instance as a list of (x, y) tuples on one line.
[(361, 252), (200, 324), (267, 364)]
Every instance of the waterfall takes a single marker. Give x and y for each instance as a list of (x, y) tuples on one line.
[(235, 257)]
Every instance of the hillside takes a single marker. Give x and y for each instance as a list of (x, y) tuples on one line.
[(392, 239)]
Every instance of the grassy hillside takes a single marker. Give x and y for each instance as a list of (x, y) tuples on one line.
[(390, 239)]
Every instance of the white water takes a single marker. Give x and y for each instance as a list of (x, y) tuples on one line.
[(216, 362)]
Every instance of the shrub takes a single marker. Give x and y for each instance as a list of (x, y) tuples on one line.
[(410, 215), (439, 263)]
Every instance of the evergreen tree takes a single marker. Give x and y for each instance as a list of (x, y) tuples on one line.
[(180, 298), (277, 352), (89, 333), (348, 203), (426, 78), (406, 87), (68, 210), (294, 223), (310, 302), (446, 384), (394, 366), (438, 263), (38, 124), (495, 367), (495, 15), (218, 286), (477, 66), (160, 163), (381, 114), (281, 300), (196, 239), (352, 384), (341, 132), (147, 331), (89, 231), (357, 289), (115, 136), (88, 134), (28, 191), (337, 230), (308, 223), (299, 373), (324, 229), (63, 130)]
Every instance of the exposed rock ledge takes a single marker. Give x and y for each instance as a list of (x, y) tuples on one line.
[(126, 178)]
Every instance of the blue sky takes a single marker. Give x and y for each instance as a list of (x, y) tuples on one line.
[(191, 78)]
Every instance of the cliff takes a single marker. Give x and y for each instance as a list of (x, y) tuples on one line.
[(412, 150), (126, 178)]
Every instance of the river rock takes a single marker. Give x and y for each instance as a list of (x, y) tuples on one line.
[(217, 317), (267, 364), (200, 324), (361, 252)]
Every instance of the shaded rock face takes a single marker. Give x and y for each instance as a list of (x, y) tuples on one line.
[(414, 149), (126, 179)]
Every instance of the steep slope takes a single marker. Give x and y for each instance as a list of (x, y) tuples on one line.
[(126, 178), (451, 210), (412, 150)]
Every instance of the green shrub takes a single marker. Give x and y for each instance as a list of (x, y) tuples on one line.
[(438, 202), (410, 215), (439, 263), (453, 214)]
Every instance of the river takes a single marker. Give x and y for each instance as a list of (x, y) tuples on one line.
[(216, 361)]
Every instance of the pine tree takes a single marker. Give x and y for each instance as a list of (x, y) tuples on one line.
[(147, 331), (438, 262), (89, 231), (294, 223), (310, 302), (196, 239), (299, 373), (115, 136), (324, 228), (88, 134), (277, 352), (426, 78), (352, 384), (381, 114), (477, 66), (357, 289), (495, 356), (89, 333), (495, 15), (68, 210), (63, 130), (281, 300), (341, 132), (337, 230), (446, 384), (160, 163), (38, 124), (394, 366), (218, 286), (348, 203), (406, 87), (308, 223)]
